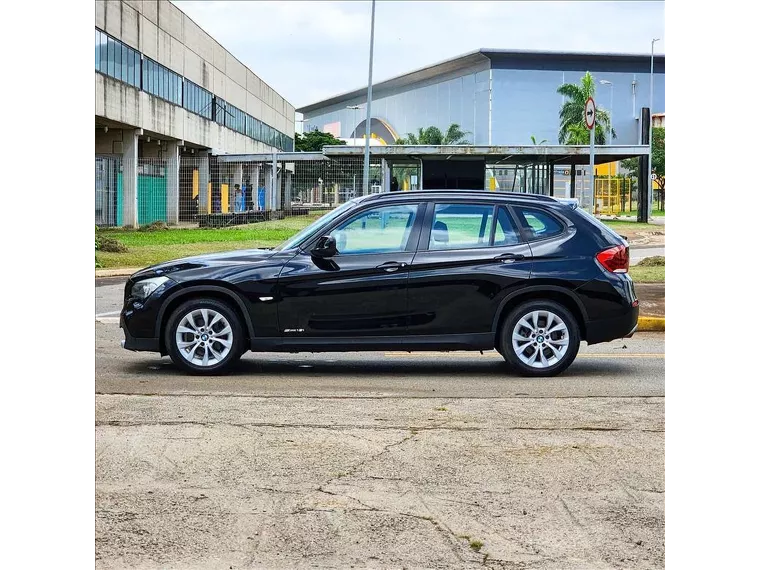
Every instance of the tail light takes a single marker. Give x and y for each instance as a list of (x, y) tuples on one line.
[(614, 259)]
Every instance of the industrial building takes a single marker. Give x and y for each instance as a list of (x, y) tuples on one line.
[(168, 96), (500, 97)]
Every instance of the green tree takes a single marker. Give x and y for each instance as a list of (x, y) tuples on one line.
[(313, 141), (533, 140), (433, 136), (572, 124), (658, 159)]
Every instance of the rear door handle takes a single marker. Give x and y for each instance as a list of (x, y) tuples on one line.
[(391, 266), (509, 257)]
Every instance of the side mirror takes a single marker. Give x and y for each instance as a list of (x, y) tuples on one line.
[(325, 247)]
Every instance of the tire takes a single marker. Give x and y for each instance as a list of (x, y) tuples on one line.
[(227, 343), (548, 356)]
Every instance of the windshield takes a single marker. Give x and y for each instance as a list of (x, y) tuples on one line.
[(314, 227)]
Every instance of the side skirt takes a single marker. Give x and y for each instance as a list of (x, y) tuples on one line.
[(479, 341)]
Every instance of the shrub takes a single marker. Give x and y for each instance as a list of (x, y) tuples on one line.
[(158, 225), (655, 261)]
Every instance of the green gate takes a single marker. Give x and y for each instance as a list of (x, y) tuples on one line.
[(151, 199)]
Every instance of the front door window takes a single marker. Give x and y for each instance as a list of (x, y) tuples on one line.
[(378, 230)]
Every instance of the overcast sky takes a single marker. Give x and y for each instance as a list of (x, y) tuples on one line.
[(309, 50)]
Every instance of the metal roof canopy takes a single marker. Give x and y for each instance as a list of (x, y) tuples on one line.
[(521, 154)]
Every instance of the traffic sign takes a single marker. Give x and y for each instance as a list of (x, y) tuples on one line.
[(654, 176), (589, 113)]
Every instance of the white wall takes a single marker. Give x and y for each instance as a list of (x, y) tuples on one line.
[(167, 35)]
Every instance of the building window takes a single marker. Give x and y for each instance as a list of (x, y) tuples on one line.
[(116, 59), (197, 100), (161, 82)]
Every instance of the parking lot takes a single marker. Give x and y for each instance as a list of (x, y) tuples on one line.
[(384, 459)]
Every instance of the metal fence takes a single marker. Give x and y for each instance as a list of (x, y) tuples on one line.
[(216, 191)]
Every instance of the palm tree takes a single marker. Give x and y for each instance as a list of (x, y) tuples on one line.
[(433, 136), (533, 140), (571, 118)]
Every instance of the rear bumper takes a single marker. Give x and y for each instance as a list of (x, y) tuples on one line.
[(138, 344), (605, 330)]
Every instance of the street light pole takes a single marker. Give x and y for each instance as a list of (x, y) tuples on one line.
[(367, 126), (609, 166), (651, 104)]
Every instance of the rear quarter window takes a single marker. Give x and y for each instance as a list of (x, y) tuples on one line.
[(538, 224)]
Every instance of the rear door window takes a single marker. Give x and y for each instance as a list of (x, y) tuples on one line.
[(506, 232), (461, 226)]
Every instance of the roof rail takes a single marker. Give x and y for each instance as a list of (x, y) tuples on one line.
[(460, 192)]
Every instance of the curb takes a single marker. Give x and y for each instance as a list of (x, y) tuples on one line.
[(121, 272), (649, 324)]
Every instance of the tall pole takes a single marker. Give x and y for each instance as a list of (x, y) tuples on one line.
[(651, 110), (591, 163), (609, 164), (367, 126)]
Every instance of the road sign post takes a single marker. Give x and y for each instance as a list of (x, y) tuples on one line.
[(590, 118)]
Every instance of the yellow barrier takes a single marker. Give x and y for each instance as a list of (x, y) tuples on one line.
[(225, 198)]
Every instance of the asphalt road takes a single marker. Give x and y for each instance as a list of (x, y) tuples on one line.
[(378, 460)]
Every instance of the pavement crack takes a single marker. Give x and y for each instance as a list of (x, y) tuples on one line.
[(280, 425), (570, 513)]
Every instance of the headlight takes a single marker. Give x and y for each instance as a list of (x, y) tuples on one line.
[(143, 289)]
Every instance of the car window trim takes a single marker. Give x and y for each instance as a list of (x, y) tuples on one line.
[(307, 246), (524, 232), (511, 218)]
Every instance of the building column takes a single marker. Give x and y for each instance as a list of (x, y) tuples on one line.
[(385, 176), (204, 177), (172, 182), (572, 180), (274, 191), (288, 178), (267, 186), (255, 171), (129, 178)]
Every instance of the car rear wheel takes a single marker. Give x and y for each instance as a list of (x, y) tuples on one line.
[(204, 336), (540, 338)]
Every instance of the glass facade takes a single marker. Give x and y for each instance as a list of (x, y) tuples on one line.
[(119, 61), (526, 102), (505, 104), (462, 100)]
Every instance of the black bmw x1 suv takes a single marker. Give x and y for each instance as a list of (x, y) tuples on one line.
[(530, 276)]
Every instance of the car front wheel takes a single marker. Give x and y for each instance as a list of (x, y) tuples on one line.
[(540, 338), (204, 336)]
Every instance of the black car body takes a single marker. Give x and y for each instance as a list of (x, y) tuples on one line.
[(429, 270)]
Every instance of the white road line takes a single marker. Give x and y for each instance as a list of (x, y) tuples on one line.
[(107, 314), (107, 320)]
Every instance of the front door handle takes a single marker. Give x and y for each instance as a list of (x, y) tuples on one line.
[(391, 266), (509, 257)]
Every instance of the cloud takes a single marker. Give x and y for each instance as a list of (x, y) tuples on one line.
[(308, 51)]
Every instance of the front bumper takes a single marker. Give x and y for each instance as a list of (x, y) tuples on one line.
[(137, 344)]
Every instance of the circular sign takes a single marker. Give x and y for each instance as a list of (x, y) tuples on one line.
[(566, 171), (654, 177), (589, 113)]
